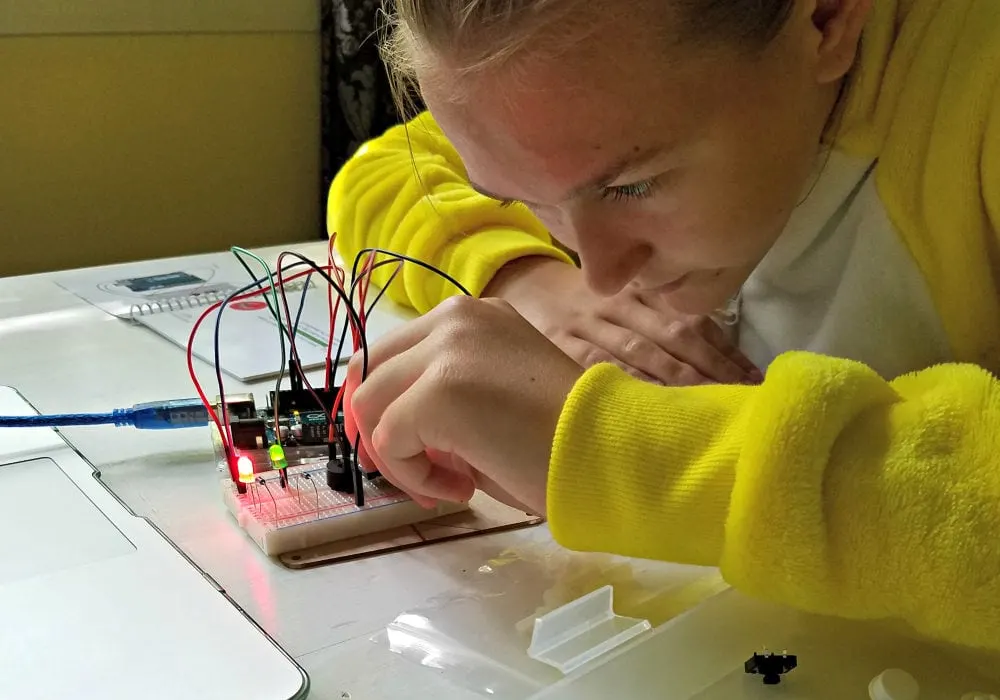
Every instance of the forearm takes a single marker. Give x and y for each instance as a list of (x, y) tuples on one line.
[(517, 282), (826, 488), (407, 191)]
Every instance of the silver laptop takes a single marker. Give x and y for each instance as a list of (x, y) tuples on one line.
[(96, 603)]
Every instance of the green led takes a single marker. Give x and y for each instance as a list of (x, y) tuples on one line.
[(277, 456)]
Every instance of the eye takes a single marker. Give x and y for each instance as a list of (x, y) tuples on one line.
[(634, 190)]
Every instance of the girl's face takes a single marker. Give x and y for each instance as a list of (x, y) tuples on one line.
[(672, 170)]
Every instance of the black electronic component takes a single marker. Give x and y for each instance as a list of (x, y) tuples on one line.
[(341, 473), (302, 400), (338, 466), (240, 406), (350, 460), (249, 434), (339, 476), (771, 666)]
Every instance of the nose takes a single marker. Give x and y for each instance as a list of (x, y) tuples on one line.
[(609, 256)]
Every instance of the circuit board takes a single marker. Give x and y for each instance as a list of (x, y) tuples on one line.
[(306, 513), (310, 495)]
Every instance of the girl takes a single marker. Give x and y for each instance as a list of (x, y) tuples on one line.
[(830, 169)]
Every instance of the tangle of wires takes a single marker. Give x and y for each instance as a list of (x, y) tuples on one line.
[(295, 271)]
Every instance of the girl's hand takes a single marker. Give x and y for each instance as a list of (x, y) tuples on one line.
[(638, 332), (466, 396)]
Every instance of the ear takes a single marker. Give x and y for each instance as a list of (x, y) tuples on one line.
[(840, 24)]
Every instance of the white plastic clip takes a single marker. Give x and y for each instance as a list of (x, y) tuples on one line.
[(581, 631)]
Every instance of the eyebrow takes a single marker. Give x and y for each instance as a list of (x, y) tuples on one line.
[(628, 162)]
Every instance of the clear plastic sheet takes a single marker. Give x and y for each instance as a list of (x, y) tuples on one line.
[(478, 638), (701, 656)]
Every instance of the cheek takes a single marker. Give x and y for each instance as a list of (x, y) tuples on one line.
[(693, 228), (756, 178), (682, 227), (725, 215)]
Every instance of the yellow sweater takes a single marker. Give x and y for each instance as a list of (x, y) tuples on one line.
[(827, 487)]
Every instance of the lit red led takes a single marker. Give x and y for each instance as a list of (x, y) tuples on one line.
[(244, 467)]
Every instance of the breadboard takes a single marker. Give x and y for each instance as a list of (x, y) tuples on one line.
[(306, 513), (483, 516)]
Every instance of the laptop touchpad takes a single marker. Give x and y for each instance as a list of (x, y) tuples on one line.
[(49, 524)]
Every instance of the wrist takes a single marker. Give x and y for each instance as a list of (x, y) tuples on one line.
[(519, 277)]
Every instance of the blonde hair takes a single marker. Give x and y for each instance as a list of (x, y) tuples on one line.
[(477, 33), (471, 34)]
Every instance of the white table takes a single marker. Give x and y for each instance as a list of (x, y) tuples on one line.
[(66, 356)]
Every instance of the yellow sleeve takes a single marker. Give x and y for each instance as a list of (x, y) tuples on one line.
[(826, 488), (407, 191)]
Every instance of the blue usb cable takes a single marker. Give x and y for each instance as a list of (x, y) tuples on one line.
[(155, 415)]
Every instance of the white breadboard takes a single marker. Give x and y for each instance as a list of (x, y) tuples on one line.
[(308, 513)]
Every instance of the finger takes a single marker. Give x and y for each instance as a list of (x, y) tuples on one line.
[(378, 377), (500, 494), (363, 450), (688, 342), (389, 475), (717, 337), (351, 431), (364, 458), (665, 364), (369, 400), (401, 476), (692, 340), (401, 447), (371, 385), (484, 483), (586, 354)]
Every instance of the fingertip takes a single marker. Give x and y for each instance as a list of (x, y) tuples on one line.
[(742, 361), (424, 501), (735, 375), (451, 486), (347, 406), (465, 493), (366, 462), (353, 375)]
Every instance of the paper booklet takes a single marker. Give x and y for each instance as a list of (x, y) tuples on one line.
[(167, 296)]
